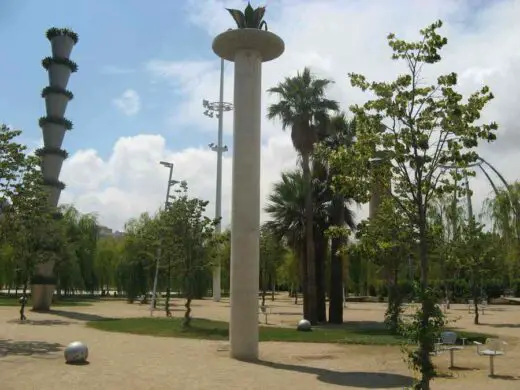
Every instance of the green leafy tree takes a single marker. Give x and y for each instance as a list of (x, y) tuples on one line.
[(272, 252), (190, 243), (82, 234), (32, 227), (388, 241), (445, 221), (288, 274), (420, 128), (108, 256), (340, 134), (504, 211), (477, 254), (304, 109), (141, 243)]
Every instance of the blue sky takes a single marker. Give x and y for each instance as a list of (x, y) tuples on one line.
[(114, 35), (161, 50)]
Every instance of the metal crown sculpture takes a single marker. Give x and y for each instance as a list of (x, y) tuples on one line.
[(250, 18)]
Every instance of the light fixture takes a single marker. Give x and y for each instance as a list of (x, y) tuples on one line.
[(166, 164)]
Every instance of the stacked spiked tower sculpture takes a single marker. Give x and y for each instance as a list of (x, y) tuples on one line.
[(53, 125)]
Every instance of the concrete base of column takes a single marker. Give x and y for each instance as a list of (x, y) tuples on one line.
[(42, 291), (41, 296)]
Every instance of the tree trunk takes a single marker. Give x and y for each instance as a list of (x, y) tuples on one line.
[(186, 322), (168, 293), (24, 300), (336, 264), (425, 343), (303, 278), (394, 298), (273, 287), (476, 300), (311, 298), (320, 257), (264, 289)]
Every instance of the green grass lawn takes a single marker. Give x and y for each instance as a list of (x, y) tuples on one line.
[(350, 333), (12, 301)]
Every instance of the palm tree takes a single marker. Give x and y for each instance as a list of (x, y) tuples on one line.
[(304, 109), (341, 133), (286, 205)]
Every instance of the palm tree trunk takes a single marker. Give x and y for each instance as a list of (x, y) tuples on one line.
[(303, 279), (336, 265), (309, 243), (320, 257)]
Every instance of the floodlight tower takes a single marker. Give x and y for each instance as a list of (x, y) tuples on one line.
[(217, 109)]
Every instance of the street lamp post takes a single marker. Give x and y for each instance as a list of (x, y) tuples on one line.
[(171, 183), (217, 109)]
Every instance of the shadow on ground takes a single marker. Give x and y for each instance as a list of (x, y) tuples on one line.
[(27, 348), (40, 322), (505, 377), (502, 325), (77, 316), (353, 325), (363, 380)]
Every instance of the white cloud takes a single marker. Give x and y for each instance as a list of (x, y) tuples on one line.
[(132, 180), (333, 37), (129, 103)]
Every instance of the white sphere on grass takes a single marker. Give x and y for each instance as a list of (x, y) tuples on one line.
[(76, 352), (304, 326)]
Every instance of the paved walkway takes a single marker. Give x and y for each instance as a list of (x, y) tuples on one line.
[(31, 357)]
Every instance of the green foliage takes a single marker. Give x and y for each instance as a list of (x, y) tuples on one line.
[(56, 120), (28, 225), (50, 89), (47, 150), (189, 247), (250, 18), (304, 108), (56, 32), (416, 331), (54, 183), (504, 211), (419, 128), (272, 252), (48, 61)]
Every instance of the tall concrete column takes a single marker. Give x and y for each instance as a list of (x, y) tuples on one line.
[(54, 125), (247, 48)]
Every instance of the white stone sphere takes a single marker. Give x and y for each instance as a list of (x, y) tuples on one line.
[(76, 352), (304, 325)]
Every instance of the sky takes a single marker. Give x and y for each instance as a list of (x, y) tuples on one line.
[(146, 66)]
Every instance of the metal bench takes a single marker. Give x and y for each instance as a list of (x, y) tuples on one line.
[(448, 342), (491, 348)]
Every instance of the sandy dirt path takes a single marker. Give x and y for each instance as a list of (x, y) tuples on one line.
[(31, 355)]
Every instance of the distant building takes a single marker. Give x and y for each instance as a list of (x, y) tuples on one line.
[(107, 232)]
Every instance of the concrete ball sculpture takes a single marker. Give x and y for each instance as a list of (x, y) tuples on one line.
[(76, 353), (304, 326)]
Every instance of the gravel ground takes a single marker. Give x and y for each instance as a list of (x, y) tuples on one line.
[(31, 354)]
